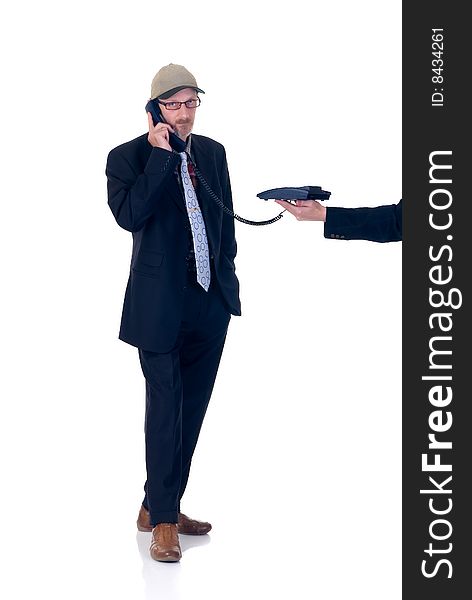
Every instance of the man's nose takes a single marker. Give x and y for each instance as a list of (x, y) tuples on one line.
[(184, 111)]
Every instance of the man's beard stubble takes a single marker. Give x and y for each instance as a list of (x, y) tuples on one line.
[(183, 129)]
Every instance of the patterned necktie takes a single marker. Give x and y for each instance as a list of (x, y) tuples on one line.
[(197, 225)]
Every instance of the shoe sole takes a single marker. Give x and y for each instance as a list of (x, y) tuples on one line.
[(149, 529), (166, 559)]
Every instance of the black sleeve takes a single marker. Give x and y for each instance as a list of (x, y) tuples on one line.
[(377, 224)]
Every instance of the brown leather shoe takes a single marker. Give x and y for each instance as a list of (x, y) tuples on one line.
[(189, 526), (186, 526), (165, 546), (144, 520)]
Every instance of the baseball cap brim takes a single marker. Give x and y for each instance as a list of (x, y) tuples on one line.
[(177, 89)]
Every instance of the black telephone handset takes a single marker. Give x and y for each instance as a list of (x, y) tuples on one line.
[(175, 142), (180, 145)]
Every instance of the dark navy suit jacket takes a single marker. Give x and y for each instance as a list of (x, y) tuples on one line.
[(377, 224), (146, 199)]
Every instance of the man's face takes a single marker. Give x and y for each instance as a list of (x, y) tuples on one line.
[(182, 119)]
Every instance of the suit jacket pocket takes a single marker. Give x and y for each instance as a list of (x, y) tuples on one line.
[(148, 262)]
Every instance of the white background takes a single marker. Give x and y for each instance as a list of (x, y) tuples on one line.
[(298, 463)]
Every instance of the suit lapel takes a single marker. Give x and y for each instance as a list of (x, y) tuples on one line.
[(212, 213)]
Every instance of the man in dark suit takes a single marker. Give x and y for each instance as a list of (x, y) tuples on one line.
[(181, 292), (376, 224)]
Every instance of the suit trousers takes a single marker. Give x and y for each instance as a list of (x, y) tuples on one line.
[(179, 384)]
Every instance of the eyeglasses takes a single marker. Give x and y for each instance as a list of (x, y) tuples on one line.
[(192, 103)]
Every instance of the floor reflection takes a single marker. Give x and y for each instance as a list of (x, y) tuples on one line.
[(162, 580)]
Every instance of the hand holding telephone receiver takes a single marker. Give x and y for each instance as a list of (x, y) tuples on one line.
[(175, 142)]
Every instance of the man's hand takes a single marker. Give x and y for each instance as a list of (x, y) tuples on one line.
[(159, 134), (305, 210)]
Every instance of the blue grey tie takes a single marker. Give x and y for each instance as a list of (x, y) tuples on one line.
[(197, 225)]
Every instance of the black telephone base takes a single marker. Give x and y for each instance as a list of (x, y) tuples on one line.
[(307, 192)]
